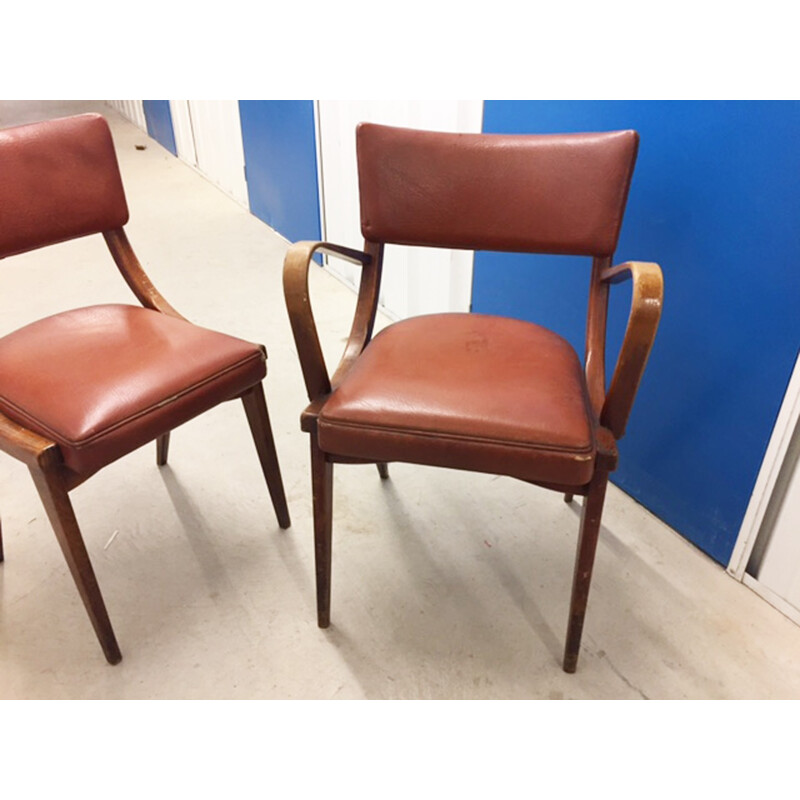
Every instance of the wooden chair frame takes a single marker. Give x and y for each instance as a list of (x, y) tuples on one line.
[(611, 407), (54, 480)]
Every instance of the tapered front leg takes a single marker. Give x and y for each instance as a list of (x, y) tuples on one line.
[(255, 407), (584, 562), (383, 470), (322, 491), (62, 517)]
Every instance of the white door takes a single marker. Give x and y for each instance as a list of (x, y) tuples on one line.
[(415, 280), (208, 135), (182, 128)]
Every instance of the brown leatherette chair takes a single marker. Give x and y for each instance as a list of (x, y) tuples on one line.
[(82, 388), (473, 391)]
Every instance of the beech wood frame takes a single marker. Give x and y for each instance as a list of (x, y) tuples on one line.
[(54, 480), (611, 407)]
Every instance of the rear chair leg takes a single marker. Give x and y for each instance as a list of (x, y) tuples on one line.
[(322, 490), (255, 406), (62, 517), (584, 561), (162, 449), (383, 470)]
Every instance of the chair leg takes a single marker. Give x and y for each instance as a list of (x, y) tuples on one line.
[(322, 491), (383, 470), (162, 449), (62, 517), (2, 556), (584, 561), (255, 407), (568, 497)]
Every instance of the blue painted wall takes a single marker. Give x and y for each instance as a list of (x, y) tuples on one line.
[(716, 201), (159, 123), (280, 156)]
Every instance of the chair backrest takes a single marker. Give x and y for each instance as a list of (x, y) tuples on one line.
[(58, 180), (538, 193)]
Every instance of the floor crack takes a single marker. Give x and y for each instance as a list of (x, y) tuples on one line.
[(602, 654)]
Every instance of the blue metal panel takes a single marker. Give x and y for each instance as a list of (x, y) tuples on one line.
[(159, 123), (715, 201), (280, 156)]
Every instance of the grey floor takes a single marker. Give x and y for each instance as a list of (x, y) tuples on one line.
[(445, 585)]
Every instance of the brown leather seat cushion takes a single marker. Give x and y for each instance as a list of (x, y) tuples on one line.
[(469, 391), (104, 380)]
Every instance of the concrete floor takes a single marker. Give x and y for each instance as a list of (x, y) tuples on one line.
[(445, 584)]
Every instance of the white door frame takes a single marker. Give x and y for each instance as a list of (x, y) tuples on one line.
[(785, 427)]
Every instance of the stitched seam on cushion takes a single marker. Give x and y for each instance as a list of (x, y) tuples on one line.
[(59, 437), (458, 438)]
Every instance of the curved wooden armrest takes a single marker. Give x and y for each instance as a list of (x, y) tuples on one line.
[(646, 302), (301, 317), (135, 276)]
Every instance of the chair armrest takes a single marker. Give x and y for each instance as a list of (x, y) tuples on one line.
[(135, 276), (301, 317), (646, 302)]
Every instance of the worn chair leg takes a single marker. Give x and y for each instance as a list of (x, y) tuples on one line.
[(584, 561), (568, 497), (162, 449), (62, 517), (255, 407), (383, 470), (322, 491)]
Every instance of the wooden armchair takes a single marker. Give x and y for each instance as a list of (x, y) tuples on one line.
[(82, 388), (473, 391)]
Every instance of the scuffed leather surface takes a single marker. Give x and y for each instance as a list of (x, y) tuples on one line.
[(58, 180), (549, 193), (104, 380), (469, 391)]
